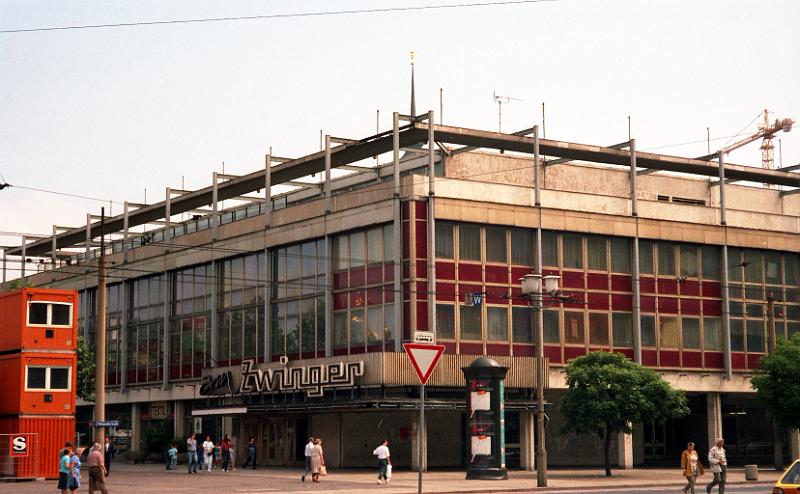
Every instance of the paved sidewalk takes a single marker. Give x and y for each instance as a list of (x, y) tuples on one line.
[(154, 479)]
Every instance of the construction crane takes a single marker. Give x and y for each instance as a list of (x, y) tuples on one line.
[(766, 131)]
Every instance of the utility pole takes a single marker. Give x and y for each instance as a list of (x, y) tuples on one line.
[(777, 442), (100, 371)]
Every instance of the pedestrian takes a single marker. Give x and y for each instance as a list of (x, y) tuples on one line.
[(309, 448), (384, 460), (251, 452), (191, 454), (225, 448), (719, 466), (208, 450), (97, 470), (75, 470), (173, 457), (63, 469), (109, 454), (200, 456), (691, 466), (317, 461)]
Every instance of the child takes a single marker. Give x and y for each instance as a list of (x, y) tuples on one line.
[(173, 457)]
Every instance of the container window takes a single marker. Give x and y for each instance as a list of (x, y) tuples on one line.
[(61, 315), (37, 378), (59, 378), (37, 313)]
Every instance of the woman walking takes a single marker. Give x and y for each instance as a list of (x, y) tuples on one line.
[(692, 467), (75, 470), (208, 450), (317, 460), (226, 452), (64, 469)]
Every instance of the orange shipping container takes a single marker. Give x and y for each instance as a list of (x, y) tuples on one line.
[(46, 436), (38, 319), (38, 383)]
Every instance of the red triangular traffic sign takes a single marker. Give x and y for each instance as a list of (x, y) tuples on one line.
[(424, 358)]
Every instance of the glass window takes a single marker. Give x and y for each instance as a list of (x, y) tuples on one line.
[(598, 328), (470, 322), (375, 324), (496, 244), (357, 249), (689, 261), (59, 378), (622, 329), (791, 268), (37, 313), (552, 333), (497, 323), (646, 256), (620, 255), (772, 268), (522, 247), (445, 321), (522, 324), (734, 264), (755, 335), (549, 249), (444, 240), (388, 243), (712, 333), (374, 245), (752, 266), (711, 256), (37, 377), (469, 242), (61, 313), (341, 246), (340, 329), (737, 335), (572, 251), (669, 332), (648, 324), (691, 333), (596, 253), (356, 327), (666, 259), (573, 327), (388, 323)]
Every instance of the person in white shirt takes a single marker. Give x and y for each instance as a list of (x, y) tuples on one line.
[(308, 452), (208, 450), (384, 460), (719, 466)]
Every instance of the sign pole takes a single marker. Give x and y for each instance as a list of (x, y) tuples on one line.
[(420, 435)]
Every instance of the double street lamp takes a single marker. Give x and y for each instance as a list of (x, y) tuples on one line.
[(535, 288)]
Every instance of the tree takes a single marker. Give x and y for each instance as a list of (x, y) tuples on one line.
[(777, 382), (86, 370), (608, 393)]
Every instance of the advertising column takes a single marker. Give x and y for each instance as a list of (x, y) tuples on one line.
[(486, 422)]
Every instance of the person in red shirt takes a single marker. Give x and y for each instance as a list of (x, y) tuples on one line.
[(226, 446)]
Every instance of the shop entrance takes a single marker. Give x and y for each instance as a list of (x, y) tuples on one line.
[(275, 441)]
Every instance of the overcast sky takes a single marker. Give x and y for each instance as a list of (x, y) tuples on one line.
[(111, 112)]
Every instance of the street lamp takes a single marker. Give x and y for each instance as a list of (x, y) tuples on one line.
[(534, 288)]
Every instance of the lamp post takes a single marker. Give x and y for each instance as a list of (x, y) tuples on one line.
[(534, 289)]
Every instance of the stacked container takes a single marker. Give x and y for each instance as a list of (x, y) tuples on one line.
[(38, 363)]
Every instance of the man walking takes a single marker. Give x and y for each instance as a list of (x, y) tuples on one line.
[(97, 470), (308, 452), (384, 460), (109, 454), (719, 466), (191, 453), (251, 452)]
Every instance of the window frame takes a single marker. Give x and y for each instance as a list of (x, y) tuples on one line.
[(47, 379), (49, 323)]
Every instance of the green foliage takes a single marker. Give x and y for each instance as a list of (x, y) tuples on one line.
[(777, 381), (158, 435), (87, 363), (608, 393)]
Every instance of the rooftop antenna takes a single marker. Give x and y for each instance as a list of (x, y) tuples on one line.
[(413, 97), (500, 100)]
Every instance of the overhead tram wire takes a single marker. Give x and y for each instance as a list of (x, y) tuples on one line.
[(288, 15)]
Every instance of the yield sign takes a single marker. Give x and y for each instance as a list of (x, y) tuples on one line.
[(423, 358)]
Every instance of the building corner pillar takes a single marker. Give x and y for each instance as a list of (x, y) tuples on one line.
[(714, 416), (794, 443), (136, 427), (527, 421), (179, 418), (625, 450), (415, 445)]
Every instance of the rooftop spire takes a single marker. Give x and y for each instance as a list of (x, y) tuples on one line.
[(413, 98)]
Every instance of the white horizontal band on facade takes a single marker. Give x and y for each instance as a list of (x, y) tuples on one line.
[(220, 411)]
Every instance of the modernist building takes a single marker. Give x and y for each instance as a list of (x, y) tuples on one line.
[(284, 316)]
